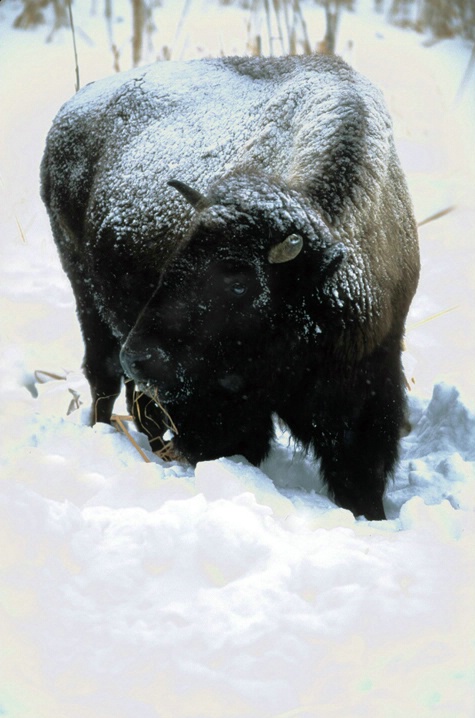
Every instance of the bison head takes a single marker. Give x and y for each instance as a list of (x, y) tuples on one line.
[(230, 304)]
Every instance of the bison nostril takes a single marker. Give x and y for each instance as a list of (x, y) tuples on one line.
[(134, 363), (231, 382)]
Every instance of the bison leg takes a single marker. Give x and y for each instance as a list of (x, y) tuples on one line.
[(358, 440), (101, 357), (354, 427), (101, 365), (356, 458)]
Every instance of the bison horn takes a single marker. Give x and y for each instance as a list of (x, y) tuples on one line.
[(195, 198), (286, 250)]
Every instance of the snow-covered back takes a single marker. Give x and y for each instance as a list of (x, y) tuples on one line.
[(150, 589), (312, 122)]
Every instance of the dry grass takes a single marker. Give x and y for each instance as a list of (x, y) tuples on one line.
[(280, 25), (73, 33), (167, 451), (432, 317), (436, 215), (119, 422), (152, 394)]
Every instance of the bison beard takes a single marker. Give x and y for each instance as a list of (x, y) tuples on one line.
[(277, 287)]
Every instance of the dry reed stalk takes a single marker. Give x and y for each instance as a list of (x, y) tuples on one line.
[(138, 24), (120, 425), (279, 24), (269, 26), (181, 22), (10, 202), (20, 229), (282, 15), (167, 452), (108, 14), (101, 398), (71, 22), (303, 25), (154, 398), (432, 317), (40, 373), (437, 215)]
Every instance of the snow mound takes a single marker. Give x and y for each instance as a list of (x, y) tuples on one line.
[(155, 590)]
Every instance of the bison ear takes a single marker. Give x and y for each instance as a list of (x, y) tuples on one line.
[(195, 198)]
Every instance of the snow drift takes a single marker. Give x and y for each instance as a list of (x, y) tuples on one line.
[(133, 588)]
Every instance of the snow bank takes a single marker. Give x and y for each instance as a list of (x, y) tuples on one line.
[(155, 590)]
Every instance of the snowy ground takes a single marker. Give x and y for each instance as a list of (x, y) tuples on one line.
[(131, 589)]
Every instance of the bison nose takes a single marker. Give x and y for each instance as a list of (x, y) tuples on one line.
[(136, 364)]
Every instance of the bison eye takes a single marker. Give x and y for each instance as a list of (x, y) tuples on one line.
[(238, 288), (237, 283)]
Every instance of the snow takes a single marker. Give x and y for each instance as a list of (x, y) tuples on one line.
[(151, 589)]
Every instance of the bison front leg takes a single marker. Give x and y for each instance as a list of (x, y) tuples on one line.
[(353, 422), (101, 367), (357, 438), (357, 457), (101, 357)]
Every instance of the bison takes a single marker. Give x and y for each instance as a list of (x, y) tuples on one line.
[(241, 245)]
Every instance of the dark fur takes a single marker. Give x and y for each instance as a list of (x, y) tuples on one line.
[(228, 340)]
